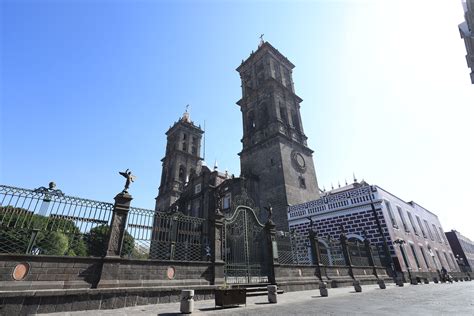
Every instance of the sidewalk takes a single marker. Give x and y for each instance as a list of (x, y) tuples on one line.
[(430, 299)]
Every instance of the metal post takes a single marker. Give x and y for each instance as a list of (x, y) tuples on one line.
[(218, 236), (272, 250), (34, 234)]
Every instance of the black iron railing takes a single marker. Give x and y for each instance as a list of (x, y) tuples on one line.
[(47, 222)]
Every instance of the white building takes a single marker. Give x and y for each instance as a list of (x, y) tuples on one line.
[(411, 234)]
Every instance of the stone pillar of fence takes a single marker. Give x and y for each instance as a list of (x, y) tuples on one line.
[(217, 235), (117, 226), (370, 255), (110, 274), (272, 251), (345, 251), (316, 252)]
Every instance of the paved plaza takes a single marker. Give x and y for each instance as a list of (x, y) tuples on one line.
[(427, 299)]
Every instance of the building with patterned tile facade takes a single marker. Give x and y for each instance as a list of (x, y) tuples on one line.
[(412, 235)]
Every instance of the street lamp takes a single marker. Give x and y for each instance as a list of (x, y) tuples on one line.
[(460, 262)]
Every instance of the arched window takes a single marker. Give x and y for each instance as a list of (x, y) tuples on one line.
[(296, 121), (283, 114), (263, 121), (182, 174), (250, 121)]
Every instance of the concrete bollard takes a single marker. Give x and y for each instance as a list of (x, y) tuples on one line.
[(187, 301), (272, 294), (381, 284), (357, 286), (323, 290)]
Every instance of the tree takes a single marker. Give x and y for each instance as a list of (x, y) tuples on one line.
[(54, 236), (97, 239)]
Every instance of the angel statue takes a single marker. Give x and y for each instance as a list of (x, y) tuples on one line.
[(269, 210), (130, 178)]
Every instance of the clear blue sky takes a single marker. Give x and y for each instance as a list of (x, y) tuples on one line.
[(89, 88)]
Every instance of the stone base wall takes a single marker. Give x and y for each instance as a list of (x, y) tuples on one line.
[(49, 301), (300, 278), (48, 272), (291, 278)]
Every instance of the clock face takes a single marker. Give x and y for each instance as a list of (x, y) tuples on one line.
[(298, 161)]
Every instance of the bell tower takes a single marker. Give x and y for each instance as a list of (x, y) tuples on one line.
[(275, 155), (181, 160)]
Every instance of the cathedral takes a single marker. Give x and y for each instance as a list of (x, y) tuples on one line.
[(277, 168)]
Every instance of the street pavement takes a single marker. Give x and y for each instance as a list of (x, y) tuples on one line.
[(426, 299)]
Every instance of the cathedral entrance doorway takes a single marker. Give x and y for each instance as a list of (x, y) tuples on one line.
[(244, 248)]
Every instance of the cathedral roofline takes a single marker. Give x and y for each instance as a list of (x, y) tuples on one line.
[(266, 46), (187, 124)]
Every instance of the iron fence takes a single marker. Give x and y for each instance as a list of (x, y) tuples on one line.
[(380, 257), (165, 236), (331, 252), (44, 221), (358, 253), (293, 248)]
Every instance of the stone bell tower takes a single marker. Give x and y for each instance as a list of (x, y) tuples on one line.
[(181, 160), (275, 155)]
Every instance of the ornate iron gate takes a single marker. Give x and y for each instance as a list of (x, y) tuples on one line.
[(244, 248)]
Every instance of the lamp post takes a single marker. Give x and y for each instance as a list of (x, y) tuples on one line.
[(460, 262)]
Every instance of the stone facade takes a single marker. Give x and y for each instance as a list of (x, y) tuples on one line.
[(182, 158), (276, 163), (408, 232), (275, 154), (467, 33)]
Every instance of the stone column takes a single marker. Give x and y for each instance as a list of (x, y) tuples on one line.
[(272, 251), (110, 274), (217, 236), (316, 252), (370, 255), (117, 226), (345, 251)]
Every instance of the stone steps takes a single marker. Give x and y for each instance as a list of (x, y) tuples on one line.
[(259, 289)]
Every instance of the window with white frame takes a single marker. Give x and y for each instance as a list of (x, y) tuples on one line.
[(412, 223), (390, 214), (226, 201), (421, 227), (400, 212), (415, 256), (424, 257), (437, 234), (428, 229)]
